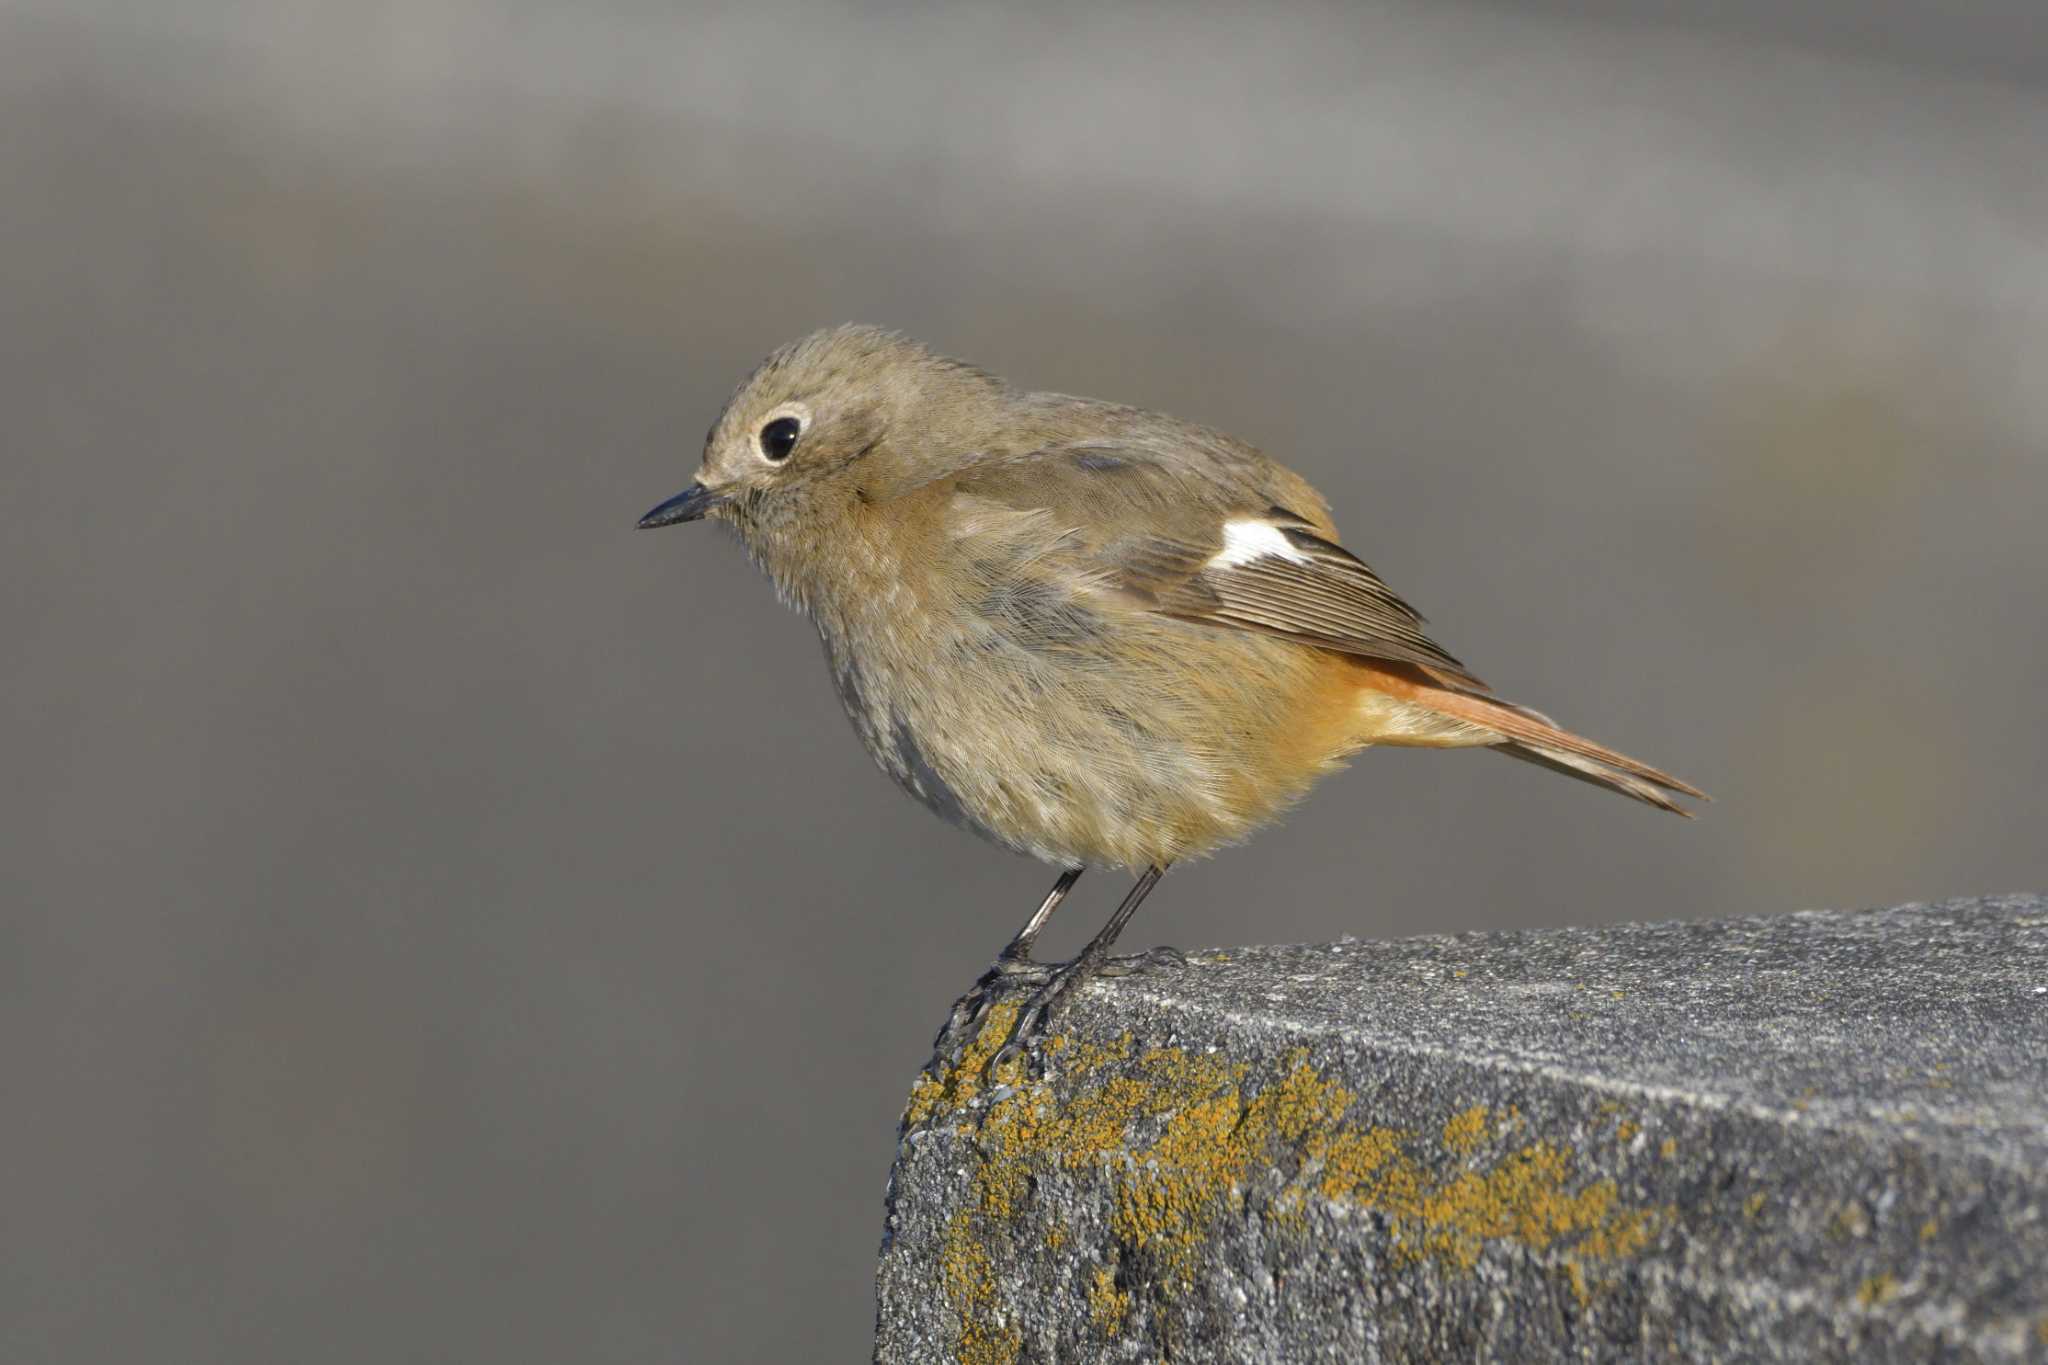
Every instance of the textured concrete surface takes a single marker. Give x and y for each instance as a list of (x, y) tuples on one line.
[(1818, 1136)]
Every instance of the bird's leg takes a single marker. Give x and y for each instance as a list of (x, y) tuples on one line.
[(1018, 951), (1093, 959), (1013, 963)]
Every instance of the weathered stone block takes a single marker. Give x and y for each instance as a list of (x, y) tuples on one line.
[(1816, 1136)]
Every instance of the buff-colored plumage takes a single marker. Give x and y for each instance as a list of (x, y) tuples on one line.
[(1091, 633)]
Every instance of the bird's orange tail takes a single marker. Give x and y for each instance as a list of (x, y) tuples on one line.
[(1520, 733)]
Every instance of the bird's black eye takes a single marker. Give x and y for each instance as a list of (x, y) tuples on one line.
[(778, 438)]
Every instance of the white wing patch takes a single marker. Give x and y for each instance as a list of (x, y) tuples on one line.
[(1244, 541)]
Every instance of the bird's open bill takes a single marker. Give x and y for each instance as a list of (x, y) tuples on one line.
[(689, 505)]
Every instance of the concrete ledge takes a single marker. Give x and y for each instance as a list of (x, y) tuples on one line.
[(1821, 1136)]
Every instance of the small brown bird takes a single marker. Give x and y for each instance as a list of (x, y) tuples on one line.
[(1087, 632)]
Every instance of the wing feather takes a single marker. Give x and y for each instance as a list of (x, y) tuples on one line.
[(1152, 523)]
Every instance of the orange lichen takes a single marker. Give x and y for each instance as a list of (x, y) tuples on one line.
[(955, 1086), (1465, 1130), (1178, 1137), (1108, 1305), (970, 1285)]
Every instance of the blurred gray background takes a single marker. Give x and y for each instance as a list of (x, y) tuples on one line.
[(443, 924)]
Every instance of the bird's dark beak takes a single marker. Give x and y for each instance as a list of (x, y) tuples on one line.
[(689, 505)]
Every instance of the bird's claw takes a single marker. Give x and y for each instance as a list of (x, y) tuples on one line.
[(1050, 988), (1027, 1029), (1151, 959), (971, 1011)]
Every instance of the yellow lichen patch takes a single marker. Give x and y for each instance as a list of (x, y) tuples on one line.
[(1626, 1130), (981, 1344), (1876, 1290), (1668, 1148), (1527, 1199), (1108, 1306), (1753, 1205), (952, 1087), (1928, 1230), (1466, 1130), (1179, 1138), (1620, 1232), (1369, 1168), (1165, 1204), (1172, 1191), (970, 1287), (1082, 1057)]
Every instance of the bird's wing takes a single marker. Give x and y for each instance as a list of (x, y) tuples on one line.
[(1237, 543)]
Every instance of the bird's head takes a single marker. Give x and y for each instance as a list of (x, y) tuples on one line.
[(844, 418)]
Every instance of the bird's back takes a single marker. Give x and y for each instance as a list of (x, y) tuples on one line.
[(1008, 663)]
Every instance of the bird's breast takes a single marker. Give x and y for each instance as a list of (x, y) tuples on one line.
[(1061, 728)]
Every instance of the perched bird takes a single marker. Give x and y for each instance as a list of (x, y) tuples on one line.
[(1087, 632)]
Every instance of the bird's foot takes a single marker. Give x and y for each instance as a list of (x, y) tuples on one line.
[(1049, 999), (970, 1013), (1149, 960), (1049, 986)]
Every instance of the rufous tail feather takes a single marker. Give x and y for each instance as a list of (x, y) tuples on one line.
[(1533, 737)]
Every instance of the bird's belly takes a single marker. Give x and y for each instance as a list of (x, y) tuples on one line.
[(903, 724), (1079, 764)]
